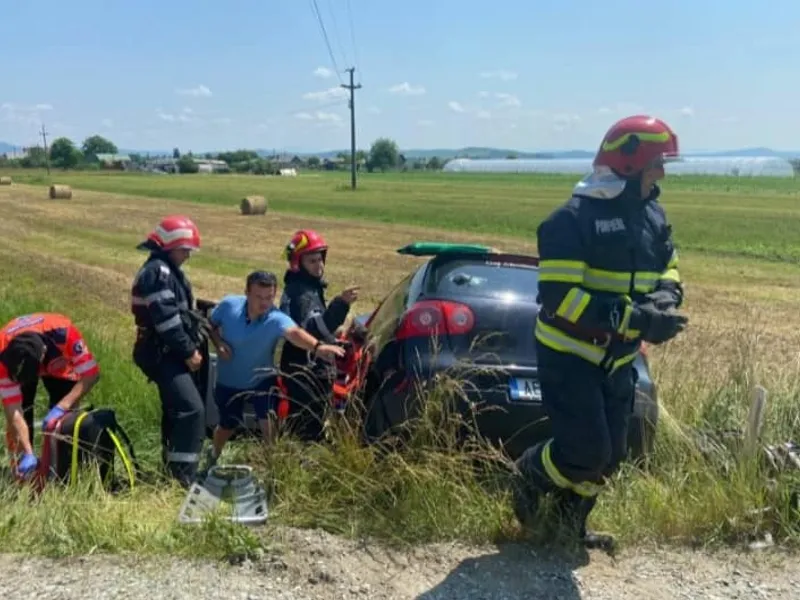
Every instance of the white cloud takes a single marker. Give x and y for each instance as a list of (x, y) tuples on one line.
[(323, 72), (456, 107), (107, 123), (500, 74), (483, 94), (197, 92), (622, 109), (509, 100), (425, 123), (326, 116), (687, 111), (222, 120), (407, 89), (374, 110), (483, 114), (318, 116), (184, 116), (25, 114), (329, 94)]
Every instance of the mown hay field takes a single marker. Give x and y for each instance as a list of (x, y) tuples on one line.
[(739, 246)]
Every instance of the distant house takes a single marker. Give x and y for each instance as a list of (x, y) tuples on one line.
[(165, 164), (209, 165), (120, 162)]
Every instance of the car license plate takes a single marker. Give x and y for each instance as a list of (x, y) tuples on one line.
[(527, 390)]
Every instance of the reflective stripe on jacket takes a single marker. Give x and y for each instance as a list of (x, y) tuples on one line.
[(600, 252), (161, 298)]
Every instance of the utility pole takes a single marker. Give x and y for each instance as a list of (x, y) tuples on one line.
[(46, 155), (352, 89)]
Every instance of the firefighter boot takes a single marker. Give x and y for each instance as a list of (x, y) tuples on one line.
[(528, 484), (575, 510)]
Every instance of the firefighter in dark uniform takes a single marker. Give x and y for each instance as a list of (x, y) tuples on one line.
[(608, 281), (308, 381), (168, 347)]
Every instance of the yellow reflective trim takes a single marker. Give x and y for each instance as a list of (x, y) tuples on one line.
[(562, 263), (621, 362), (586, 489), (560, 270), (552, 471), (673, 261), (671, 275), (561, 342), (573, 305), (610, 275), (644, 136), (645, 281), (607, 281), (76, 437), (626, 319), (557, 340)]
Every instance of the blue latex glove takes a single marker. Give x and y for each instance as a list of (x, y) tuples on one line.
[(55, 413), (27, 465)]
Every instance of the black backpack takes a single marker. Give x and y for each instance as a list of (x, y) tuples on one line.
[(100, 439)]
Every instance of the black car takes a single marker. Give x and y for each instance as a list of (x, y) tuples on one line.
[(480, 307)]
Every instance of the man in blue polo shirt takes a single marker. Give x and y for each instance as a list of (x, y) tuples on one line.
[(245, 331)]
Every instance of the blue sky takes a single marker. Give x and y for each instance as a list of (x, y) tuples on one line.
[(436, 73)]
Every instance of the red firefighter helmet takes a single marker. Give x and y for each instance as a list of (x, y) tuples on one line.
[(174, 232), (634, 143), (304, 241)]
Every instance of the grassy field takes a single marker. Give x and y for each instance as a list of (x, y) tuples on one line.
[(739, 251)]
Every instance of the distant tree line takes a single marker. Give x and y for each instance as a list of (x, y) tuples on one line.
[(383, 155), (63, 154)]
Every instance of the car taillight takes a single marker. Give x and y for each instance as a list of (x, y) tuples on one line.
[(435, 318)]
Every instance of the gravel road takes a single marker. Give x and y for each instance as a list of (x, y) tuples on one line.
[(315, 565)]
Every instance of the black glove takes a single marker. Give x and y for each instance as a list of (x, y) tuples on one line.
[(662, 299), (200, 327), (657, 326)]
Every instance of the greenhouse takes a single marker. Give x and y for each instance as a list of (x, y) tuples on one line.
[(745, 166)]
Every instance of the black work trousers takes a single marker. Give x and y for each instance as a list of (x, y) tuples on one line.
[(56, 390), (182, 413), (589, 412)]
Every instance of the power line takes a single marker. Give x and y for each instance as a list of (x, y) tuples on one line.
[(352, 89), (352, 34), (336, 35), (327, 41)]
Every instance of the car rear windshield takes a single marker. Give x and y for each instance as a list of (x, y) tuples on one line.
[(486, 279)]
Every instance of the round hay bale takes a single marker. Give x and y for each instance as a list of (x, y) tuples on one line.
[(60, 192), (253, 205), (5, 180)]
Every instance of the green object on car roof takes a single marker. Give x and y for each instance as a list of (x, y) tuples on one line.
[(437, 248)]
